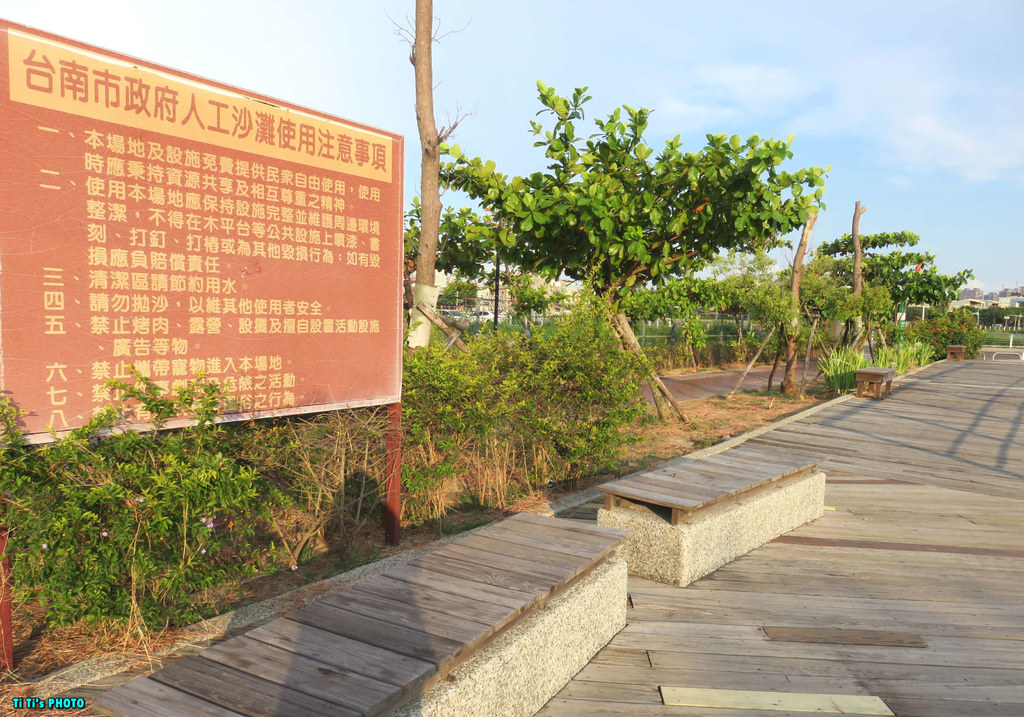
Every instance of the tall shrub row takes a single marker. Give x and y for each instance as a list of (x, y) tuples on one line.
[(107, 523), (956, 328)]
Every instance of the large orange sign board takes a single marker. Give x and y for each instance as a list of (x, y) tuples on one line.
[(158, 222)]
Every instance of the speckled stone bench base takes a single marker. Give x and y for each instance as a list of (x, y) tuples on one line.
[(525, 667), (706, 539)]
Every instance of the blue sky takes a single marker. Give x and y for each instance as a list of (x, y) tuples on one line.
[(917, 106)]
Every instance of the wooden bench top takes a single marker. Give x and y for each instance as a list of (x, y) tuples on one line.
[(877, 372), (703, 482), (371, 648)]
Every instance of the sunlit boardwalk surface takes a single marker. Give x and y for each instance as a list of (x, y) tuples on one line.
[(911, 590)]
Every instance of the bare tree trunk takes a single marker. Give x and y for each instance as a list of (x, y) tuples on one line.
[(753, 361), (807, 355), (789, 386), (424, 290), (625, 332), (858, 260), (775, 365)]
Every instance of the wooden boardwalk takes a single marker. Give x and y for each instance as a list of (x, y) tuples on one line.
[(911, 589)]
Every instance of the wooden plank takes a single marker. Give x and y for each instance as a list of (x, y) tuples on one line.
[(834, 636), (493, 543), (419, 597), (506, 597), (486, 575), (343, 652), (460, 629), (357, 692), (512, 563), (821, 666), (776, 701), (645, 494), (613, 535), (405, 641), (891, 545), (579, 546), (243, 693), (145, 697)]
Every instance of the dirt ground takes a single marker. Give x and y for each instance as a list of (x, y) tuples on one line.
[(39, 650)]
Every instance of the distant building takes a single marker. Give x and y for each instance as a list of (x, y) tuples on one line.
[(974, 293)]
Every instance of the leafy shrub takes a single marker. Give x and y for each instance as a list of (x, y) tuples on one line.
[(114, 524), (515, 412), (904, 357), (957, 328), (840, 368)]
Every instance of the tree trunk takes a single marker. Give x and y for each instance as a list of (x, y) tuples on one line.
[(430, 192), (807, 355), (775, 365), (753, 361), (858, 260), (625, 332), (789, 386)]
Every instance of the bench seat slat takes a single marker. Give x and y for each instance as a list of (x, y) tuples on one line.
[(511, 563), (340, 651), (575, 546), (643, 494), (506, 597), (414, 643), (704, 484), (610, 536), (491, 543), (674, 486), (244, 693), (402, 613), (776, 466), (485, 574), (348, 688), (145, 697), (419, 597)]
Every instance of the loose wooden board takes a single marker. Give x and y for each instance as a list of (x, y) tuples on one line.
[(780, 701)]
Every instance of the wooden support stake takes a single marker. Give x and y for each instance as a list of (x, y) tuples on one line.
[(393, 468), (452, 334)]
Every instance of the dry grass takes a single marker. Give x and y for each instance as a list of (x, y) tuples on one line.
[(40, 651)]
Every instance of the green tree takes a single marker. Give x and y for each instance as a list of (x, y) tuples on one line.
[(608, 211), (910, 277)]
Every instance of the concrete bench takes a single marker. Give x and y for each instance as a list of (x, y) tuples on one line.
[(493, 623), (956, 353), (875, 381), (695, 515)]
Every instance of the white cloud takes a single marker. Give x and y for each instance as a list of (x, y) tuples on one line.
[(924, 115), (915, 109), (719, 95)]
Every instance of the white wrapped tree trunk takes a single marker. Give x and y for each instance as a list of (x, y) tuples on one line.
[(419, 326)]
